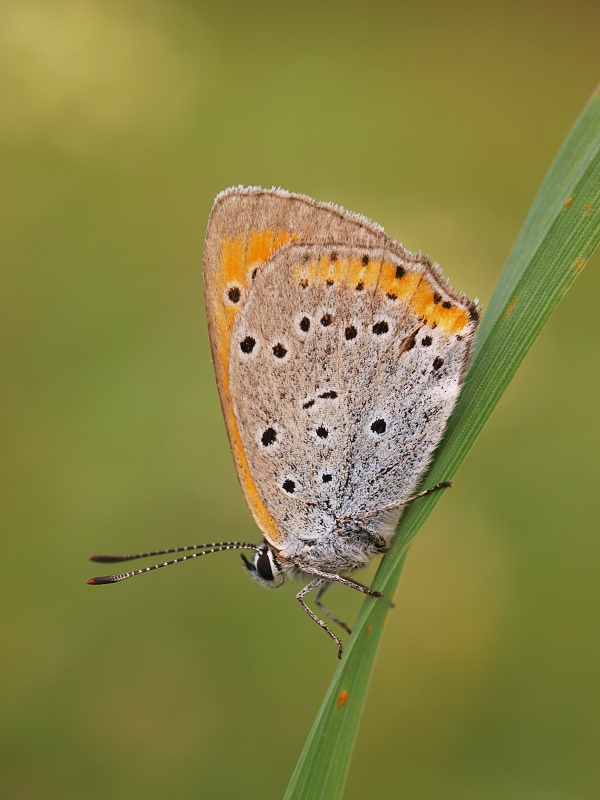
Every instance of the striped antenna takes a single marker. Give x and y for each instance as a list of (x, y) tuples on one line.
[(201, 550)]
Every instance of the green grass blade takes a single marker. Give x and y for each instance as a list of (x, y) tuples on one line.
[(559, 235), (574, 157)]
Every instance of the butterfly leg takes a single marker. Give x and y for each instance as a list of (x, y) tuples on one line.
[(394, 506), (326, 611), (299, 597), (332, 576)]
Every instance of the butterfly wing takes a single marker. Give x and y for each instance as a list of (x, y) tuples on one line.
[(245, 229)]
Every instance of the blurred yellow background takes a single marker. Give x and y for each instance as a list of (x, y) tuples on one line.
[(119, 122)]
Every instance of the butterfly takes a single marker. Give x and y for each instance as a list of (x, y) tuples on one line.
[(339, 357)]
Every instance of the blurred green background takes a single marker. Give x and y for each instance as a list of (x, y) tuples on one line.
[(119, 122)]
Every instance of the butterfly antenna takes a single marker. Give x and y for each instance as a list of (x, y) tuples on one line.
[(199, 550)]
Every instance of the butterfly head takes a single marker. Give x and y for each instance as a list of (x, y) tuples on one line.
[(265, 568)]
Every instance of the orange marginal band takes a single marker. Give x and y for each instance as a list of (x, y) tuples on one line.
[(414, 288)]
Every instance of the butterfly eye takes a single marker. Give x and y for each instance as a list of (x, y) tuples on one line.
[(263, 565)]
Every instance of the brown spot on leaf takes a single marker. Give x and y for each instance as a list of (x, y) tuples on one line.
[(342, 698), (510, 309)]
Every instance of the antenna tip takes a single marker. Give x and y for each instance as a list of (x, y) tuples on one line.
[(108, 559)]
